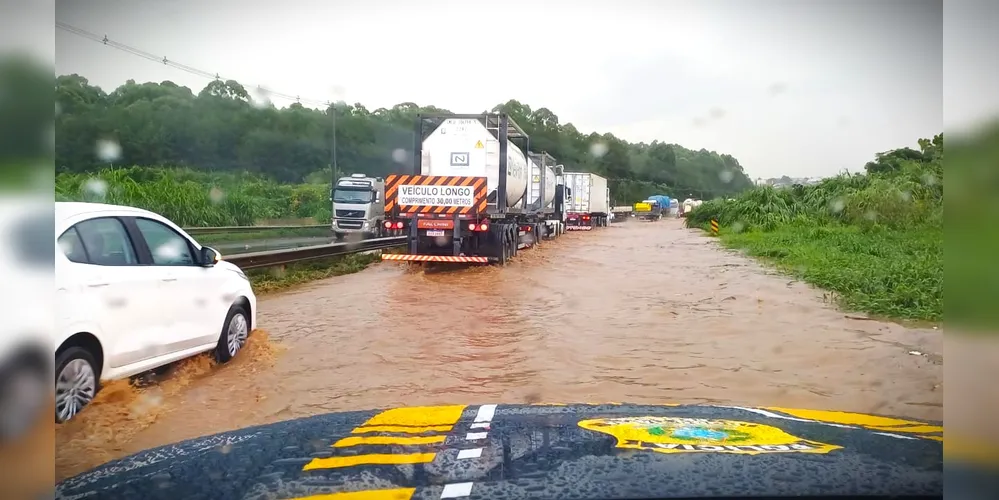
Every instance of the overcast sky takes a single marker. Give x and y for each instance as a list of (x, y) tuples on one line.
[(797, 87)]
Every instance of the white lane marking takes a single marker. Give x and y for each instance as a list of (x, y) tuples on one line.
[(480, 425), (456, 490), (473, 453), (485, 413), (472, 436)]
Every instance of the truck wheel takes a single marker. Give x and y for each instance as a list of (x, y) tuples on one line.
[(503, 244)]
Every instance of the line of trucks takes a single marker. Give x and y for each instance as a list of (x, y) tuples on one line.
[(658, 206), (476, 194)]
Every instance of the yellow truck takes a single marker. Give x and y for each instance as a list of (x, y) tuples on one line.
[(648, 210)]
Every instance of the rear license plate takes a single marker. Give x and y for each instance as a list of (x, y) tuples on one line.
[(435, 232)]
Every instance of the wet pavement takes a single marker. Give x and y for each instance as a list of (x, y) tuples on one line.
[(643, 313)]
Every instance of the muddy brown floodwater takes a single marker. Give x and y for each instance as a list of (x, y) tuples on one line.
[(637, 312)]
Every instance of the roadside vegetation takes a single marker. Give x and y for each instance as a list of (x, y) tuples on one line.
[(874, 239), (227, 133), (193, 198), (281, 278)]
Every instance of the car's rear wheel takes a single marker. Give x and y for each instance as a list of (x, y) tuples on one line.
[(235, 331), (76, 382)]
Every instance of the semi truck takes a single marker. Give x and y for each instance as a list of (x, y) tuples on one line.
[(552, 207), (467, 197), (588, 202), (358, 207)]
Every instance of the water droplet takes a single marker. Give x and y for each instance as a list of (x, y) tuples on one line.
[(95, 187), (260, 98), (726, 176), (870, 215), (216, 195), (905, 195), (399, 155), (598, 149), (738, 227), (717, 113), (58, 109), (929, 179), (837, 205), (108, 150)]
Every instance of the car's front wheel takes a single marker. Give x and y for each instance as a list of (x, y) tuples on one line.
[(76, 382), (235, 331)]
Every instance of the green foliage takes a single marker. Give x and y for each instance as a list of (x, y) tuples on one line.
[(191, 198), (221, 129), (876, 239), (279, 278)]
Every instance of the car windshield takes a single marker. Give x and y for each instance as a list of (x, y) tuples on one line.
[(748, 210), (347, 195)]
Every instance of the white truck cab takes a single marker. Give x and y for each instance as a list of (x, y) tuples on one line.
[(358, 206)]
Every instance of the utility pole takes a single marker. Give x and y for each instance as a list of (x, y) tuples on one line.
[(333, 164)]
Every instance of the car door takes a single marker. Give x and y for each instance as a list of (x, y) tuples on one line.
[(111, 289), (191, 291)]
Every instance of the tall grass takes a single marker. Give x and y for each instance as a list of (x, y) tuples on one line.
[(194, 199), (874, 239)]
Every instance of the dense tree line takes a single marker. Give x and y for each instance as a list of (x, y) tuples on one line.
[(223, 129)]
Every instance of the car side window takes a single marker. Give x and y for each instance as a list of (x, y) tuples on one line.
[(72, 246), (168, 247), (105, 242)]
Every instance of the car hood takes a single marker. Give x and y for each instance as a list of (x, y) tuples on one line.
[(609, 451)]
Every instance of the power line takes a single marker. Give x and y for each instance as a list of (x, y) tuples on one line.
[(268, 92)]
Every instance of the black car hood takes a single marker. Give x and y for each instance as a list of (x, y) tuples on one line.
[(612, 451)]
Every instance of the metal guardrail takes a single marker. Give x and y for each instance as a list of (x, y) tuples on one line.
[(193, 231), (256, 260)]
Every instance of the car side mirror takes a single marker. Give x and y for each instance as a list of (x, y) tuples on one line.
[(210, 256)]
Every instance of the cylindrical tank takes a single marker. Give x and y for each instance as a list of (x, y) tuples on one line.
[(536, 184), (464, 147), (688, 205)]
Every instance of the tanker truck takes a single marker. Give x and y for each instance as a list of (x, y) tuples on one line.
[(466, 199), (547, 184), (587, 202)]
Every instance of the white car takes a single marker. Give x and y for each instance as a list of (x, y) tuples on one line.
[(135, 292)]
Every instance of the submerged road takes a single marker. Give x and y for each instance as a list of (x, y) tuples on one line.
[(644, 313)]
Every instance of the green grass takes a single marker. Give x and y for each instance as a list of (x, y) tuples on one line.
[(198, 199), (281, 278), (875, 240), (888, 273)]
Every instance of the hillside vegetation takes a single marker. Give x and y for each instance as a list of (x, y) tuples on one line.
[(875, 239), (223, 130)]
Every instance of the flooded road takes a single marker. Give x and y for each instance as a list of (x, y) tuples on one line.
[(637, 312)]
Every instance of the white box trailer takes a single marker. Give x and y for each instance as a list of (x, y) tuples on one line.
[(588, 201)]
